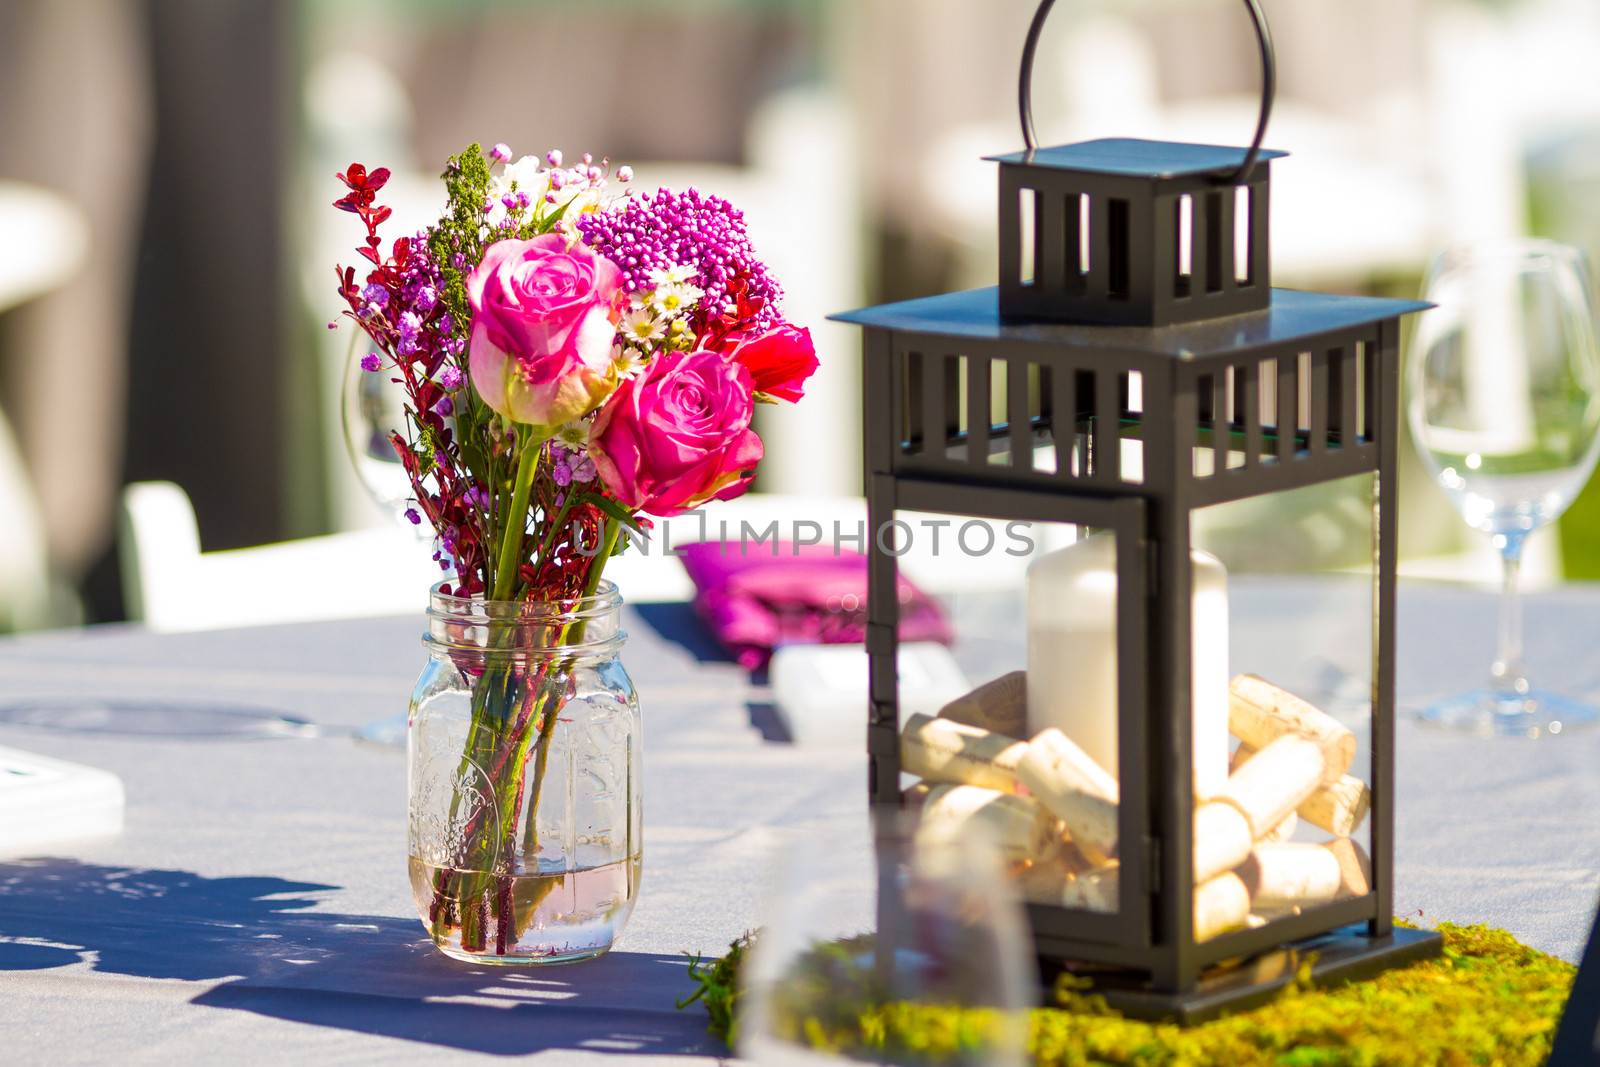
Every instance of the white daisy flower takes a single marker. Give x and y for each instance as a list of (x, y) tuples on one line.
[(671, 276), (574, 434), (628, 360), (523, 176), (641, 326), (674, 299)]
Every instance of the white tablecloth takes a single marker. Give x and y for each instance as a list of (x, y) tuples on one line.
[(256, 908)]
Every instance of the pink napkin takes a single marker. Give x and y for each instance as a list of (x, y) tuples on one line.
[(756, 598)]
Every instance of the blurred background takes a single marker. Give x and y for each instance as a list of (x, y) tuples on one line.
[(167, 240)]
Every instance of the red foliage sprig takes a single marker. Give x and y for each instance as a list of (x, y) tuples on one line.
[(399, 309)]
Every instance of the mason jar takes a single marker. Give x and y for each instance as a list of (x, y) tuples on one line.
[(524, 836)]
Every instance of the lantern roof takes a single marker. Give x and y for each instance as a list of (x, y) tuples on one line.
[(1124, 157), (1293, 315)]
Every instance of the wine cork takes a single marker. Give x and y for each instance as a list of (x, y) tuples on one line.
[(1020, 829), (1275, 781), (1045, 881), (1092, 891), (1284, 830), (1287, 875), (1222, 839), (941, 750), (1355, 868), (1220, 905), (1075, 789), (1260, 713), (999, 706), (1340, 808)]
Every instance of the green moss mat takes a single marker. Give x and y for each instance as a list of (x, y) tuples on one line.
[(1488, 1000)]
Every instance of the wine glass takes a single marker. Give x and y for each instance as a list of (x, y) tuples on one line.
[(372, 405), (1504, 405), (917, 928)]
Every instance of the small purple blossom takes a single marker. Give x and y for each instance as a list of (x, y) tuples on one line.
[(441, 457), (624, 174), (371, 362), (665, 229), (375, 294), (413, 517), (410, 328), (500, 153), (553, 157), (427, 299), (450, 377), (476, 496), (561, 474), (444, 408)]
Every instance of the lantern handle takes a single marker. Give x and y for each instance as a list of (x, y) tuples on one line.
[(1269, 84)]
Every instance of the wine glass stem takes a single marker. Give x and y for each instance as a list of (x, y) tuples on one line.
[(1507, 671)]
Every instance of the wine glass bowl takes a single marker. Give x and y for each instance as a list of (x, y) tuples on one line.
[(1503, 402), (863, 948), (372, 406)]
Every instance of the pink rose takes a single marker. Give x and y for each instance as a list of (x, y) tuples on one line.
[(678, 435), (543, 322), (779, 361)]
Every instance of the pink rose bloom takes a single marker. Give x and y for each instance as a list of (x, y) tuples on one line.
[(678, 435), (779, 361), (543, 322)]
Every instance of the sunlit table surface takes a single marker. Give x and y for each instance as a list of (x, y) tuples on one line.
[(256, 909)]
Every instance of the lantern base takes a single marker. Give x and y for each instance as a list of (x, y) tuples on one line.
[(1345, 955)]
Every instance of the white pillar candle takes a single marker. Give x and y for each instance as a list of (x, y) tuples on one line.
[(1072, 654)]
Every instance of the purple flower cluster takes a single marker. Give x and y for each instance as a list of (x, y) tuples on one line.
[(407, 312), (665, 229), (570, 465)]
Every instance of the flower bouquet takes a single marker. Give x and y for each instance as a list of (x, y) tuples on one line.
[(574, 359)]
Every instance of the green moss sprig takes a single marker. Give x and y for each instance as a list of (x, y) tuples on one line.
[(1489, 999)]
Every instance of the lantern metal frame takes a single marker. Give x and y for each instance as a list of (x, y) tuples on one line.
[(927, 449)]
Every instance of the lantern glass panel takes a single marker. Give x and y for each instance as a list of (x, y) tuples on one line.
[(1029, 600), (1284, 661)]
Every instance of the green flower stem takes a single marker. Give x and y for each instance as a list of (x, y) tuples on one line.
[(608, 541), (516, 527), (495, 687), (493, 695)]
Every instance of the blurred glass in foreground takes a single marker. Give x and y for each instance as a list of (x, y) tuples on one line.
[(948, 977)]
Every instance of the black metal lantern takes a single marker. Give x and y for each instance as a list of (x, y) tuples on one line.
[(1133, 370)]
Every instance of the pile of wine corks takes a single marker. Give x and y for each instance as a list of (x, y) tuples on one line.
[(1052, 810)]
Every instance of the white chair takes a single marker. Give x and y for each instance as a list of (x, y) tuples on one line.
[(170, 585), (26, 589)]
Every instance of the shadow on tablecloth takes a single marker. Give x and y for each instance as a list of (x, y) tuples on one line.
[(273, 956)]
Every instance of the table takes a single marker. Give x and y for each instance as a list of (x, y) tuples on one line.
[(256, 907)]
